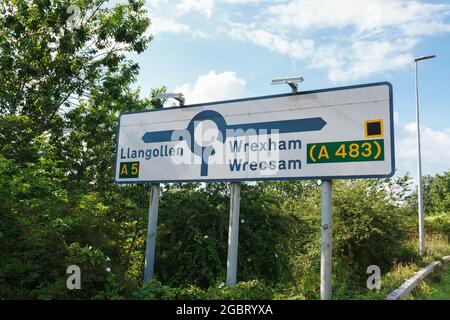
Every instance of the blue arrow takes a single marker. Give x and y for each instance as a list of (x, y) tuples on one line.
[(157, 136), (284, 126)]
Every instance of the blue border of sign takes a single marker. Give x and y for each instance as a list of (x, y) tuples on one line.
[(375, 84)]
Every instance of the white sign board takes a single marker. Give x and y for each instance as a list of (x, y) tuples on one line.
[(345, 132)]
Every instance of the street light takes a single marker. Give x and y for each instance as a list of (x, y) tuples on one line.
[(419, 161), (176, 96), (292, 82)]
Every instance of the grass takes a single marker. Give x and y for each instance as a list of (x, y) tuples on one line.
[(437, 247), (390, 281), (442, 290), (435, 288), (436, 285)]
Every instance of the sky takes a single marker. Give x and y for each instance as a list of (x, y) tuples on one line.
[(214, 50)]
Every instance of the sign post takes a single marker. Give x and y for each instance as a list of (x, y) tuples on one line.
[(151, 233), (336, 133), (233, 233), (326, 241)]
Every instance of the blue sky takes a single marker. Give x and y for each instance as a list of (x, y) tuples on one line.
[(223, 49)]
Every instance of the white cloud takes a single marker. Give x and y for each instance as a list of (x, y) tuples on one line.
[(155, 3), (205, 7), (160, 25), (213, 87), (347, 39), (169, 25), (363, 58), (243, 1), (200, 34), (352, 38), (295, 49), (362, 15), (435, 147), (426, 29)]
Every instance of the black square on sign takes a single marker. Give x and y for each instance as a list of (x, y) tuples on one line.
[(374, 128)]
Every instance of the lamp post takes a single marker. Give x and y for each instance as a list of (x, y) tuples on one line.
[(419, 160)]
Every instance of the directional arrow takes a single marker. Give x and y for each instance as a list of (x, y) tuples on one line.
[(284, 126), (242, 129)]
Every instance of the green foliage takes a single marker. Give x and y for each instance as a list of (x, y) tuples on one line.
[(246, 290), (439, 193), (436, 194), (45, 63), (390, 281), (98, 280), (193, 233), (250, 290), (369, 227), (63, 89), (438, 287), (61, 93), (31, 236), (439, 223)]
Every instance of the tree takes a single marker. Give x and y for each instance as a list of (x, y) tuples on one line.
[(62, 91), (46, 64)]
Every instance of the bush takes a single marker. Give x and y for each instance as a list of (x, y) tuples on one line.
[(154, 290), (250, 290), (369, 229), (438, 224), (193, 233)]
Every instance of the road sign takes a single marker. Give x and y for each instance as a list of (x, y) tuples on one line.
[(344, 132)]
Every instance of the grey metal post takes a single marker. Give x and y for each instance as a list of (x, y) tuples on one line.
[(419, 160), (151, 233), (419, 172), (233, 233), (326, 241)]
